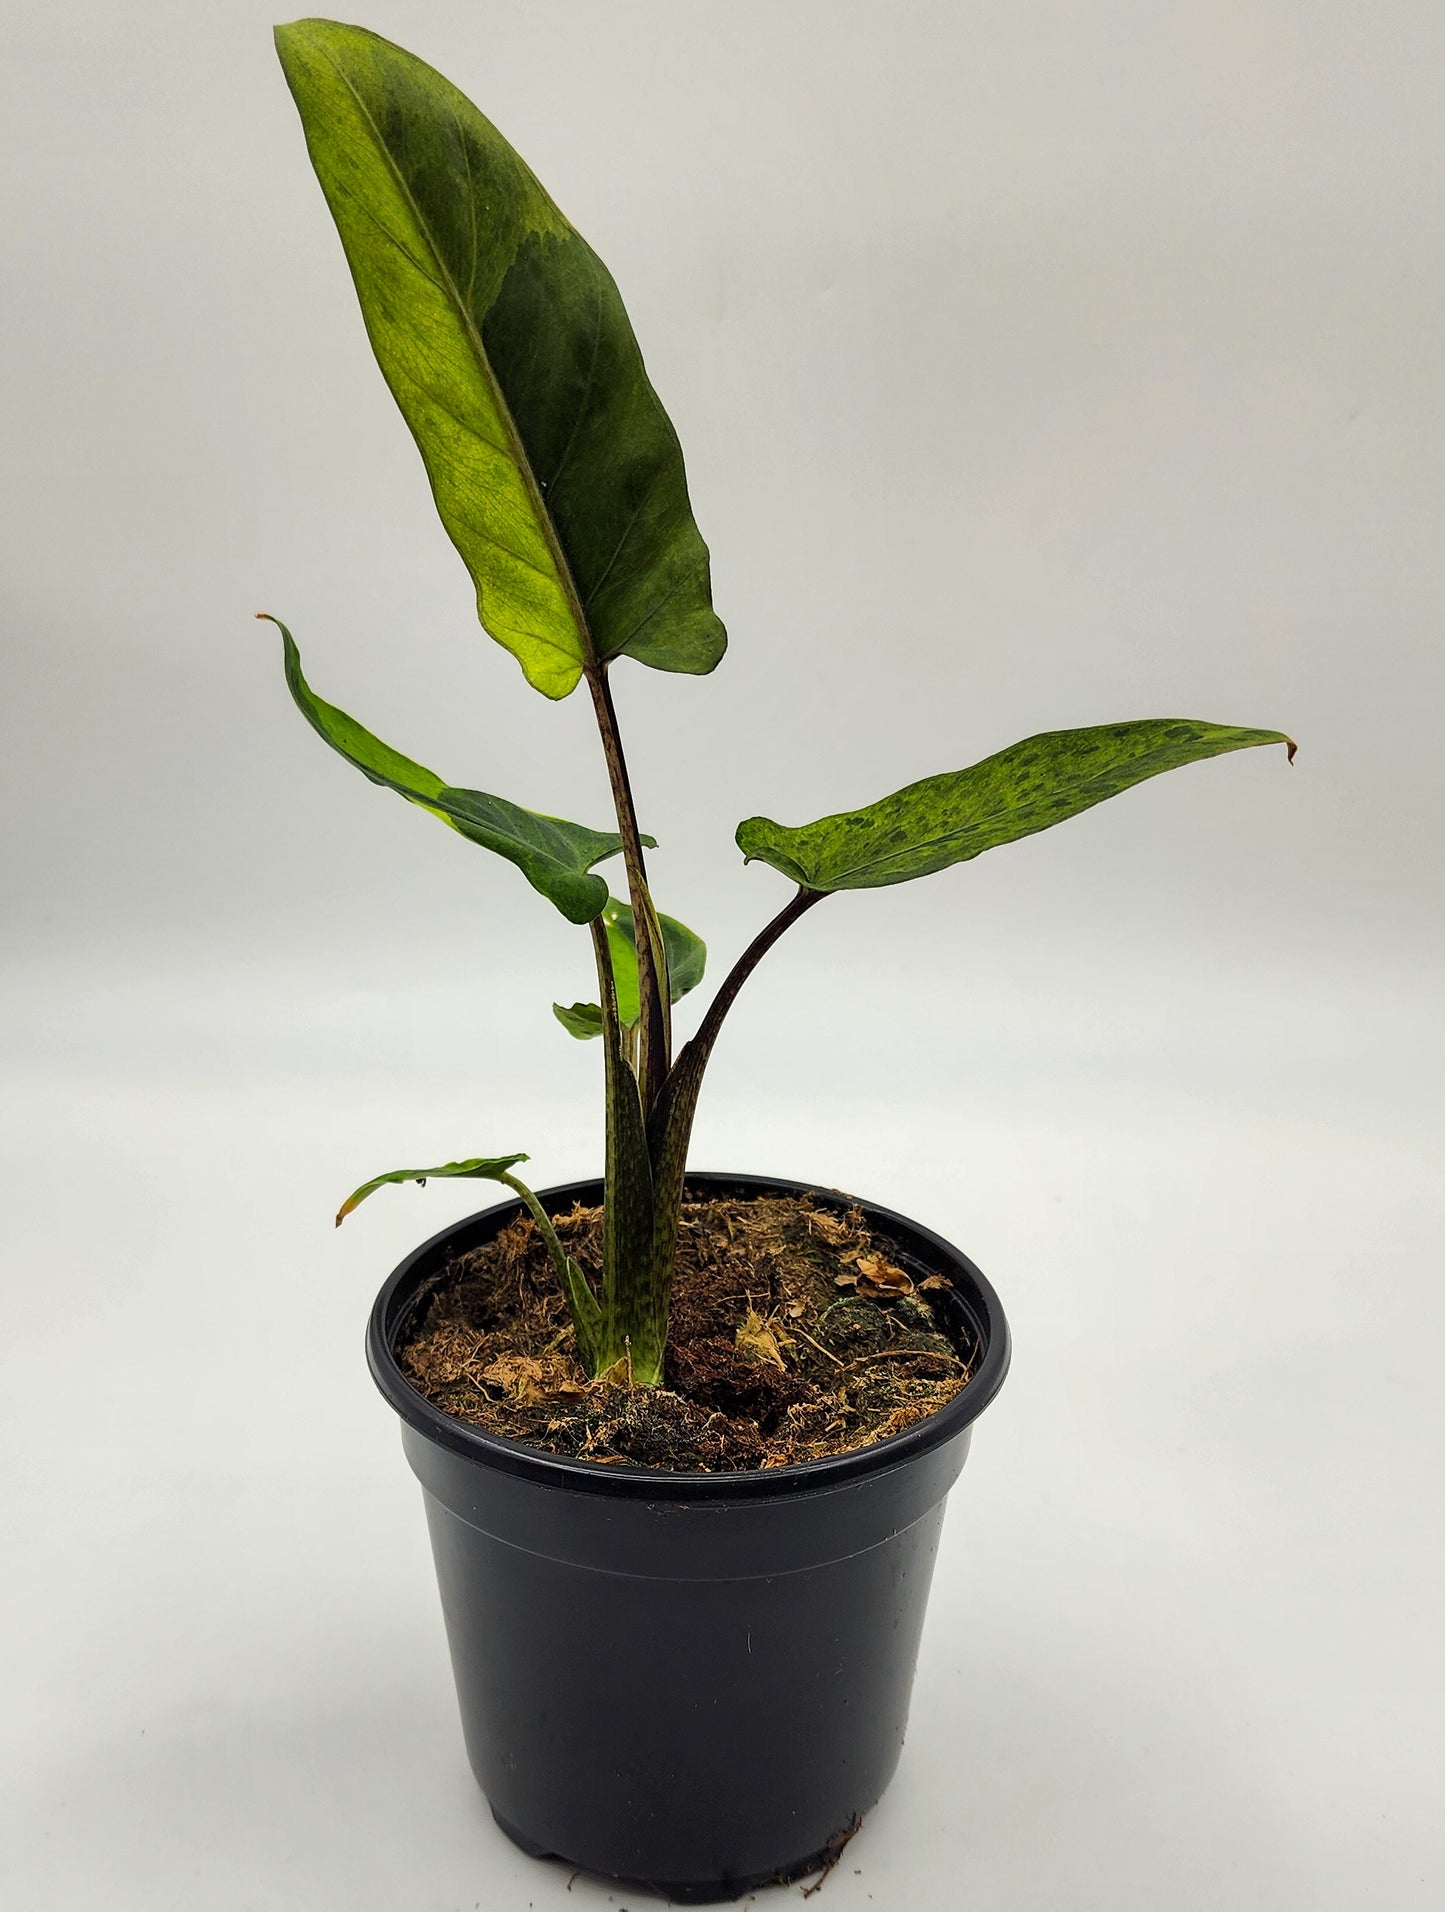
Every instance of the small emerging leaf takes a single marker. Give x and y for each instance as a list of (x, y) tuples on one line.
[(583, 1020), (555, 857), (948, 819), (686, 961), (484, 1168), (686, 953)]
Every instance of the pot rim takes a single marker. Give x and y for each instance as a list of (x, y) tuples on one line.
[(405, 1284)]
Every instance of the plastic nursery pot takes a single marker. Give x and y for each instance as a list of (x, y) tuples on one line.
[(689, 1682)]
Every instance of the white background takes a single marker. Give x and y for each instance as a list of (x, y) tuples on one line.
[(1037, 365)]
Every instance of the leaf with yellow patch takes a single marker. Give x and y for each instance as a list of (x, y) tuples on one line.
[(505, 343), (948, 819)]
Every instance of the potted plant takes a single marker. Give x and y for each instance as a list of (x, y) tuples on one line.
[(685, 1439)]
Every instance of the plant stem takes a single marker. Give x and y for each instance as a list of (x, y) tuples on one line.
[(669, 1126), (707, 1033), (540, 1217), (631, 1319), (655, 1019), (588, 1322)]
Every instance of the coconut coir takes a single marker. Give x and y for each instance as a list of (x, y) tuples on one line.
[(794, 1333)]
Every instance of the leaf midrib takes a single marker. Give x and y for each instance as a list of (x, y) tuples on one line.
[(479, 351)]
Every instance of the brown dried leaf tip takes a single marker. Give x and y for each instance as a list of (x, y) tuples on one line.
[(832, 1853)]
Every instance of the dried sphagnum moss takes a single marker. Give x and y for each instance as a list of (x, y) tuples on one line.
[(794, 1333)]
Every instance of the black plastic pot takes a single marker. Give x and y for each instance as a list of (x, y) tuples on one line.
[(690, 1682)]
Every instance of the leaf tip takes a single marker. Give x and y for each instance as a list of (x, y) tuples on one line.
[(1290, 748), (266, 617)]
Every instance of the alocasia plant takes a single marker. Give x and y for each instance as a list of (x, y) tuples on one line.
[(560, 481)]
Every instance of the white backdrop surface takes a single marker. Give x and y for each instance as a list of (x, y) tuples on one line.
[(1036, 365)]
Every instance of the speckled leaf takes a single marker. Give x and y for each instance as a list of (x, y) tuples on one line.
[(686, 961), (482, 1168), (554, 856), (504, 340), (950, 818)]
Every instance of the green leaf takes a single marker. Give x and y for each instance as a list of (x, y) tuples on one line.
[(482, 1168), (588, 1320), (555, 857), (583, 1020), (686, 960), (950, 818), (686, 951), (686, 957), (504, 340)]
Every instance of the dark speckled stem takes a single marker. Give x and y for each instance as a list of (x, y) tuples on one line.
[(670, 1126)]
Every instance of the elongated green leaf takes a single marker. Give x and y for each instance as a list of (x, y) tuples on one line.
[(555, 857), (482, 1168), (586, 1311), (505, 343), (950, 818), (686, 961)]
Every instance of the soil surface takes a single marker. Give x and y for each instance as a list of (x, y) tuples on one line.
[(795, 1333)]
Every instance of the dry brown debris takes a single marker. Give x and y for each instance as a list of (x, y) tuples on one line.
[(794, 1334), (832, 1853)]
